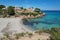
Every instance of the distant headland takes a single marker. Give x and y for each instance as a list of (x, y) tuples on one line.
[(20, 11)]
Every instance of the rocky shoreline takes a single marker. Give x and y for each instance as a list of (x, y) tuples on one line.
[(30, 17)]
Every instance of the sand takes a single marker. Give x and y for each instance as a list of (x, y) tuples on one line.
[(13, 25)]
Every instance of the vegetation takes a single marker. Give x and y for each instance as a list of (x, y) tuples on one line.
[(31, 13), (6, 35), (1, 10), (18, 35), (30, 35), (38, 39), (55, 33), (6, 11), (37, 10), (21, 7), (2, 6), (11, 10)]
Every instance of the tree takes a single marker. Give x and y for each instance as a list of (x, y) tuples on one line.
[(21, 7), (37, 10), (11, 10), (2, 6), (1, 11)]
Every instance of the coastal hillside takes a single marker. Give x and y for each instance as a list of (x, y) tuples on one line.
[(18, 11)]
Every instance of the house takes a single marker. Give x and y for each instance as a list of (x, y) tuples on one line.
[(18, 10)]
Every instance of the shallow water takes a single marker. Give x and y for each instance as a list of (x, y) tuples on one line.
[(50, 20)]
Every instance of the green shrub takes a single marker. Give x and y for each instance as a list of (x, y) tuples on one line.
[(30, 35), (6, 34)]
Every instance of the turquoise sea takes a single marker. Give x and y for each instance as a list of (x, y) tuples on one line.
[(50, 20)]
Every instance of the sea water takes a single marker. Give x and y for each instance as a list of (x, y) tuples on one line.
[(50, 20)]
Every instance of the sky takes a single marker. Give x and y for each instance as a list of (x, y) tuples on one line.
[(42, 4)]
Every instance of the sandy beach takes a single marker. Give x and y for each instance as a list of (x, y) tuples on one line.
[(13, 25)]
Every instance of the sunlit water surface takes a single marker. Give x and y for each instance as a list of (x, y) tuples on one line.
[(50, 20)]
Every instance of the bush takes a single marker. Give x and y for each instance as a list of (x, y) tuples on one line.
[(30, 35), (6, 34), (11, 10), (55, 34)]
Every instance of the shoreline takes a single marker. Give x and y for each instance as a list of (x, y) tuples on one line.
[(14, 21)]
